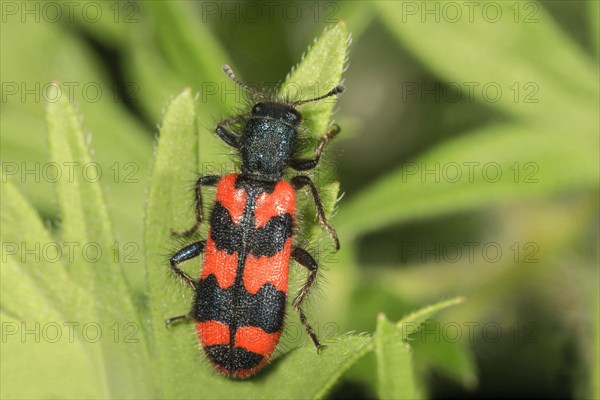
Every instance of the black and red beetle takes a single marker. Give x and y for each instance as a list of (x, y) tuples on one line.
[(240, 298)]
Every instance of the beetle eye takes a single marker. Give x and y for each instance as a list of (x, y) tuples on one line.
[(292, 117), (257, 108)]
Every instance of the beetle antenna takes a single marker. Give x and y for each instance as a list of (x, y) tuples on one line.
[(336, 90), (229, 72)]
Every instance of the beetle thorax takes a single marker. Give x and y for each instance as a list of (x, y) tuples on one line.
[(268, 140)]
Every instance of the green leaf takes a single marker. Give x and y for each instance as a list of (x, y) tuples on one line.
[(319, 71), (394, 363), (85, 225), (288, 376), (530, 157), (39, 257), (167, 209), (394, 359), (123, 148), (42, 349), (522, 47), (83, 211), (39, 294), (20, 295), (36, 337), (495, 165), (412, 322)]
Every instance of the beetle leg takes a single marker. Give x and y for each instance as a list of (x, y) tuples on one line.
[(225, 134), (299, 182), (184, 317), (188, 252), (208, 180), (306, 164), (303, 258)]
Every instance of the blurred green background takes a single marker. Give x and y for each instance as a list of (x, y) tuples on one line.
[(468, 160)]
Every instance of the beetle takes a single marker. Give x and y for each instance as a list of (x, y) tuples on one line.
[(240, 298)]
